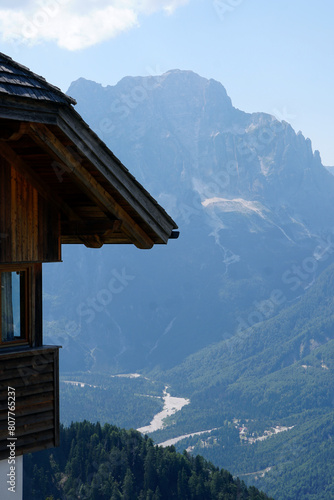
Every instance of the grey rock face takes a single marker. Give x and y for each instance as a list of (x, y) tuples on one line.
[(255, 210)]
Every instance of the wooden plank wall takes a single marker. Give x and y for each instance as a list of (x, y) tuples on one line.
[(34, 376), (29, 226), (36, 308)]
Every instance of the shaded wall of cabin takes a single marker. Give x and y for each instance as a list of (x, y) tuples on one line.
[(29, 235), (29, 224)]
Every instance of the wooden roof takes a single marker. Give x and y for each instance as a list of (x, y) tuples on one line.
[(18, 80), (51, 145)]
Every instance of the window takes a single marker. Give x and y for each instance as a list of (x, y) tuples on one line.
[(13, 306)]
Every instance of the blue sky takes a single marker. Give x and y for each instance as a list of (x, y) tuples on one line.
[(276, 57)]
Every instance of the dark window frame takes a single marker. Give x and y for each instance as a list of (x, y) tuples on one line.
[(25, 305)]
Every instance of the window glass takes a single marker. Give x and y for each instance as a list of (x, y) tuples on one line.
[(12, 305)]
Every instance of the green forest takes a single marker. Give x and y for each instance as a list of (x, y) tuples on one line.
[(277, 375), (97, 462), (126, 402)]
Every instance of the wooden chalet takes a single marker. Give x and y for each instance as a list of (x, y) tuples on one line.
[(59, 184)]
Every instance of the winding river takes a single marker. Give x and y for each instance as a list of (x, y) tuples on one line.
[(171, 406), (169, 442)]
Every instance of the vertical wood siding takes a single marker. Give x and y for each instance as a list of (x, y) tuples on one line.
[(29, 226), (34, 376)]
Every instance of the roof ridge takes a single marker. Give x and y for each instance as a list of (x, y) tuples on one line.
[(39, 78)]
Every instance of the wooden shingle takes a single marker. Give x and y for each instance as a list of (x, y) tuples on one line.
[(17, 80)]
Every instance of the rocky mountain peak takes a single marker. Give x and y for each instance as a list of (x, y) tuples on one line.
[(252, 200)]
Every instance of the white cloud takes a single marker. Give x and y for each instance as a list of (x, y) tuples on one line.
[(74, 24)]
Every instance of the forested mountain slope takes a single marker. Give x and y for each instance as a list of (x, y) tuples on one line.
[(108, 463), (275, 380)]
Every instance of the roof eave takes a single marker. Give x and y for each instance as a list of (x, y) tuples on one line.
[(97, 153)]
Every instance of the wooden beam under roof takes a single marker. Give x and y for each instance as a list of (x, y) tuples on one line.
[(89, 227), (88, 237), (50, 143), (10, 129), (69, 122), (44, 190), (92, 232)]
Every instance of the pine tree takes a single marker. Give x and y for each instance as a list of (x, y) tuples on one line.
[(150, 474), (129, 486), (182, 485), (116, 494), (157, 494), (149, 495)]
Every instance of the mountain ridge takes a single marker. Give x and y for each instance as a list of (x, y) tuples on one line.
[(243, 136), (250, 197)]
